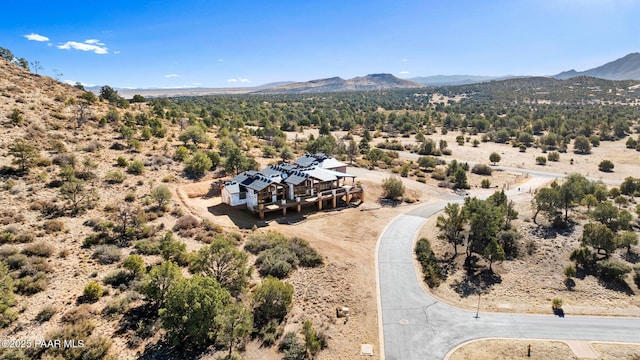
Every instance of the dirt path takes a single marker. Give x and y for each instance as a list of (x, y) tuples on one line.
[(346, 237)]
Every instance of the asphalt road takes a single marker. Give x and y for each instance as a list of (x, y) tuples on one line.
[(416, 326)]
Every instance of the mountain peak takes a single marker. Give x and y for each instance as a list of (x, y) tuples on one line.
[(334, 84), (625, 68)]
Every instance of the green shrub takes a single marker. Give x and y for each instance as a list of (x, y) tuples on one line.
[(278, 256), (289, 340), (427, 259), (148, 247), (135, 264), (186, 222), (553, 156), (53, 226), (481, 169), (272, 299), (107, 254), (314, 341), (271, 333), (115, 177), (196, 323), (606, 166), (32, 284), (307, 255), (24, 237), (136, 167), (41, 248), (122, 162), (92, 291), (117, 306), (258, 242), (276, 262), (485, 183), (613, 270), (569, 271), (181, 153), (95, 346), (117, 278), (16, 261), (393, 187), (7, 300), (46, 313)]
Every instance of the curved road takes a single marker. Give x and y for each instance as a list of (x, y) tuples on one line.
[(418, 326)]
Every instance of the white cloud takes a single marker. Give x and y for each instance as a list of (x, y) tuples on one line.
[(94, 42), (117, 52), (94, 45), (36, 37), (171, 75), (242, 80), (220, 60), (404, 60), (404, 72)]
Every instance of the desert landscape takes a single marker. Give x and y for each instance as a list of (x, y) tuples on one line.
[(112, 218)]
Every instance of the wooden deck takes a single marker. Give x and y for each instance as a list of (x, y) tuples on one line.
[(347, 193)]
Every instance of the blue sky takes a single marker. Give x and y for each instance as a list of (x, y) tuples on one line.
[(228, 43)]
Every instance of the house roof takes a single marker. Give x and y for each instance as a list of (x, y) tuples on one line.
[(271, 170), (309, 159), (243, 176), (337, 174), (321, 174), (232, 187), (258, 183), (331, 163), (316, 166), (296, 178)]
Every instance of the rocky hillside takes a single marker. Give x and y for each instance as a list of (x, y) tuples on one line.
[(74, 181)]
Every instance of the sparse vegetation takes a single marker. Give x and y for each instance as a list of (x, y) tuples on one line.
[(50, 192), (430, 268), (92, 291), (393, 188)]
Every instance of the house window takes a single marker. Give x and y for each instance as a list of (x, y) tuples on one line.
[(243, 195), (325, 186)]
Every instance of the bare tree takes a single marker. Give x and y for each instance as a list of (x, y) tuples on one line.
[(57, 74), (36, 66), (82, 114)]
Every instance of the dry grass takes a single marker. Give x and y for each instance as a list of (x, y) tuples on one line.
[(34, 218), (495, 349)]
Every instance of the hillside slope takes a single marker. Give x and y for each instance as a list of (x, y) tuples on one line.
[(337, 84), (625, 68)]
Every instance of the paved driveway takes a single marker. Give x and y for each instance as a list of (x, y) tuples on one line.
[(417, 327)]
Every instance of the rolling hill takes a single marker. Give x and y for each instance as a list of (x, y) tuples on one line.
[(337, 84)]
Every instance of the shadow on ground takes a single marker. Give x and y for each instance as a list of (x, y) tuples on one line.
[(245, 219), (476, 283)]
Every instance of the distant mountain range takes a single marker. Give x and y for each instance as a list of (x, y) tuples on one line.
[(335, 84), (626, 68), (449, 80)]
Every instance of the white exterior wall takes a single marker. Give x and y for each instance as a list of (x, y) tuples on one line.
[(232, 199), (252, 199)]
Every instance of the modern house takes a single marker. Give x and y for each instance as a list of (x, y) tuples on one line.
[(310, 179)]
